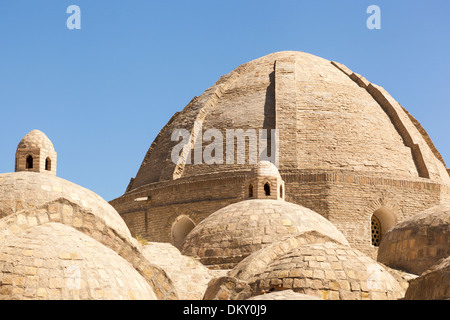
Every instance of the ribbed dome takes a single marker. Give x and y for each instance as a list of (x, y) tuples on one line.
[(328, 119), (232, 233), (36, 139)]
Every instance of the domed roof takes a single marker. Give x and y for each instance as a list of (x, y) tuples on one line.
[(36, 139), (434, 284), (54, 261), (265, 168), (417, 243), (328, 118), (28, 190), (232, 233), (327, 270)]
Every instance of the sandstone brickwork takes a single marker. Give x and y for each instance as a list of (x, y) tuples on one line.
[(419, 242), (35, 153), (229, 235), (54, 261), (433, 284), (350, 201), (327, 270), (61, 241), (189, 276), (344, 144)]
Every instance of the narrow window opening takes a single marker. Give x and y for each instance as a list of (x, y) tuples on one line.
[(281, 192), (376, 231), (29, 162), (48, 164), (267, 189), (250, 191)]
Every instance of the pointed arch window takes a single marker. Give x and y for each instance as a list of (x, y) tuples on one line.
[(29, 162), (267, 189)]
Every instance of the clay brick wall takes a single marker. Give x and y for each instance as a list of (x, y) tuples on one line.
[(195, 198), (347, 199)]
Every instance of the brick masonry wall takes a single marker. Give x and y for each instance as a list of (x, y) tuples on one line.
[(346, 199)]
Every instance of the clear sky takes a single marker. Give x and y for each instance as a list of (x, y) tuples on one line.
[(102, 93)]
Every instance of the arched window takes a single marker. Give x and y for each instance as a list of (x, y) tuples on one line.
[(267, 189), (180, 229), (250, 191), (48, 164), (29, 162), (381, 221), (376, 231)]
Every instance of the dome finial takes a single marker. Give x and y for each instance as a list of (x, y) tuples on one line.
[(265, 182), (36, 153)]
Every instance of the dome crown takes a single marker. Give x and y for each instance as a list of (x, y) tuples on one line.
[(265, 168), (35, 139)]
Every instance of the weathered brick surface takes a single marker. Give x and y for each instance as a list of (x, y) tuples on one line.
[(53, 261), (327, 270), (37, 145), (229, 235), (433, 284), (190, 277), (344, 144), (419, 242), (64, 212)]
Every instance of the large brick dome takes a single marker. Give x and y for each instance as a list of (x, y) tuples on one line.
[(328, 118), (343, 147)]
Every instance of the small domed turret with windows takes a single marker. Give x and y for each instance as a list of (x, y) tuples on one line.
[(36, 153), (265, 182)]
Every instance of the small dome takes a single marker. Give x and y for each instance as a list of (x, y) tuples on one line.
[(54, 261), (328, 271), (265, 169), (232, 233), (28, 190), (36, 139), (417, 243)]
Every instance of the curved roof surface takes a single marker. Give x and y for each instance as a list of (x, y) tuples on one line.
[(36, 139), (328, 118), (55, 261), (232, 233), (418, 242), (265, 168), (329, 271), (28, 190)]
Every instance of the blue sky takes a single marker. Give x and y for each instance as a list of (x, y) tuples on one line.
[(102, 93)]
